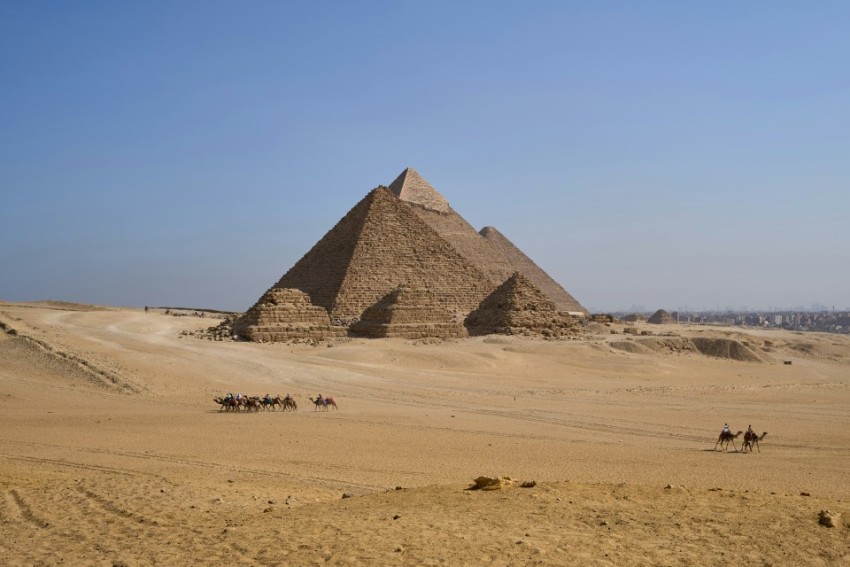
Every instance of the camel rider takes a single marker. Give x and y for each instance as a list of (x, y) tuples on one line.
[(238, 396), (228, 397), (726, 428), (750, 432), (267, 399)]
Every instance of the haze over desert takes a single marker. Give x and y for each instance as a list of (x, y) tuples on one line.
[(114, 452)]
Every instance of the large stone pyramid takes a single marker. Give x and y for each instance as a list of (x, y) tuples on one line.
[(379, 245), (489, 251), (518, 307)]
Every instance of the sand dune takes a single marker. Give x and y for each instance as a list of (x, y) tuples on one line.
[(114, 453)]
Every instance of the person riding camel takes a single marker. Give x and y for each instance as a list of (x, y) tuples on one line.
[(726, 428)]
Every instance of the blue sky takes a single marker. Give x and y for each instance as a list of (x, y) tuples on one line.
[(662, 154)]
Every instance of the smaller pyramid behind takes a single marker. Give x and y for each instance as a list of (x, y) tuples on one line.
[(408, 312), (518, 307), (411, 187), (489, 251), (283, 315), (661, 317)]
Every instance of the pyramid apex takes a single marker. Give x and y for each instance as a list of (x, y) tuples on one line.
[(411, 187)]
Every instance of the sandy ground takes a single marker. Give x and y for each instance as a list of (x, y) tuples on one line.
[(113, 452)]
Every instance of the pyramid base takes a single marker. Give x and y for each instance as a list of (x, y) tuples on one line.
[(278, 334), (409, 331)]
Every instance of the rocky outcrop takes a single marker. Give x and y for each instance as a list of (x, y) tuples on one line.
[(725, 348)]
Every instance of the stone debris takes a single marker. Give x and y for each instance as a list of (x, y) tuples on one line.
[(829, 519), (492, 483)]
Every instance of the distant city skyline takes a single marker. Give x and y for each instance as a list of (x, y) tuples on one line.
[(814, 308), (656, 154)]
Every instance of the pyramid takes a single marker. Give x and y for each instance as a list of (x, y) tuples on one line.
[(411, 187), (518, 307), (661, 317), (489, 251), (378, 245), (524, 265), (285, 314), (408, 312)]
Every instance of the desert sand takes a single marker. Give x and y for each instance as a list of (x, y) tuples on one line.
[(113, 452)]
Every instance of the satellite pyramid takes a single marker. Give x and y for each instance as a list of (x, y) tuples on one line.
[(661, 317), (285, 314), (377, 246), (408, 312), (524, 265), (489, 251), (518, 307)]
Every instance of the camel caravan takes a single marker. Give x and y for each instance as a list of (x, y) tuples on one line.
[(240, 402), (751, 439)]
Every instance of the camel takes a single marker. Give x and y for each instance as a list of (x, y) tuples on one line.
[(287, 403), (227, 404), (252, 404), (751, 439), (726, 437), (323, 403)]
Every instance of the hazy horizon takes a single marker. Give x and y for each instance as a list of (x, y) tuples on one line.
[(188, 154)]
